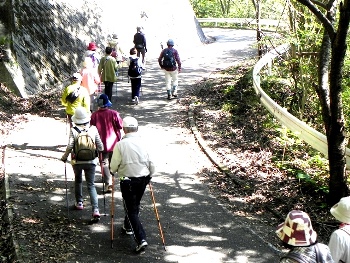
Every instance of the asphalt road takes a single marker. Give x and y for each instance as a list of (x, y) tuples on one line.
[(197, 228)]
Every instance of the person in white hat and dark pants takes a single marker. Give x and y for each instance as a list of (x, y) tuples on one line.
[(135, 167)]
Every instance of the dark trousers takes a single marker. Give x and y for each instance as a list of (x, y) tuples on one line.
[(135, 87), (108, 89), (132, 192)]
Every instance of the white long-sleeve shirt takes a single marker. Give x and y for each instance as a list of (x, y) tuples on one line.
[(130, 157)]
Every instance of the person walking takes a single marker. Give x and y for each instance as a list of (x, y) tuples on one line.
[(135, 167), (90, 80), (109, 124), (81, 119), (107, 70), (92, 53), (169, 61), (73, 96), (339, 243), (297, 234), (140, 44), (117, 51), (134, 73)]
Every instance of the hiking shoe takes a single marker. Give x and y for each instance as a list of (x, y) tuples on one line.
[(142, 246), (109, 188), (127, 231), (79, 206), (169, 97), (174, 95), (96, 213), (136, 100)]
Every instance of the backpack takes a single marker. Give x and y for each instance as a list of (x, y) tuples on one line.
[(95, 61), (71, 97), (168, 59), (84, 146), (134, 68)]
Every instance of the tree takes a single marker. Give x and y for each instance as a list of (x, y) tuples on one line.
[(329, 88)]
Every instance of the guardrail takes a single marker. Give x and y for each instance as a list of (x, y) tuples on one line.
[(316, 139), (244, 21)]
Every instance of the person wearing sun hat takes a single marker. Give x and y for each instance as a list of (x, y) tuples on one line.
[(298, 235), (109, 124), (81, 119), (93, 54), (339, 243)]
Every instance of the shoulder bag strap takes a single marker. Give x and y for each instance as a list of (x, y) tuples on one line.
[(295, 256), (77, 129), (318, 253)]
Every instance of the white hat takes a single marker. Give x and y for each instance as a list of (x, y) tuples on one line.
[(76, 76), (81, 116), (129, 122), (341, 210)]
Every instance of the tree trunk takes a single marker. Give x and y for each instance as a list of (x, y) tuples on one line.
[(337, 136)]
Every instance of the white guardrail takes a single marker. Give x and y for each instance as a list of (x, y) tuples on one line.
[(244, 21), (316, 139)]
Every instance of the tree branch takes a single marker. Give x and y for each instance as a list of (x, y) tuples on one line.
[(326, 23)]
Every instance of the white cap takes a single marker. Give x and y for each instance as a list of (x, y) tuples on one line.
[(130, 122)]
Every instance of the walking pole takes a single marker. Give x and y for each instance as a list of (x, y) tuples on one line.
[(103, 185), (157, 216), (127, 216), (65, 176), (112, 213)]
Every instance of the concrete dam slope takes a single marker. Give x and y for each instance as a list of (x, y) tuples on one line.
[(47, 38)]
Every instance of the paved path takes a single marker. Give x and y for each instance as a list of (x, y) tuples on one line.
[(196, 227)]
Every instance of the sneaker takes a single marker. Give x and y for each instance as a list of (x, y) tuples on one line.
[(133, 100), (79, 206), (96, 213), (136, 100), (127, 231), (174, 95), (142, 246), (109, 188)]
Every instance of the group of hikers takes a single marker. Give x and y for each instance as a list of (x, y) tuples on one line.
[(96, 138), (102, 137)]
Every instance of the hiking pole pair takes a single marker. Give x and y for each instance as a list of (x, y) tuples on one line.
[(157, 215)]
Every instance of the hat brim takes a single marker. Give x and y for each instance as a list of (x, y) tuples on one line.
[(339, 216), (81, 121)]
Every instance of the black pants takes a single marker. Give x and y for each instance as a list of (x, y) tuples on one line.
[(132, 192), (135, 87), (108, 89)]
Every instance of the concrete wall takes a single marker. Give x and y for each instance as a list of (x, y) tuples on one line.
[(49, 38)]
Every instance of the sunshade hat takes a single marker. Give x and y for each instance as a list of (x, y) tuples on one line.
[(341, 210), (297, 230)]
